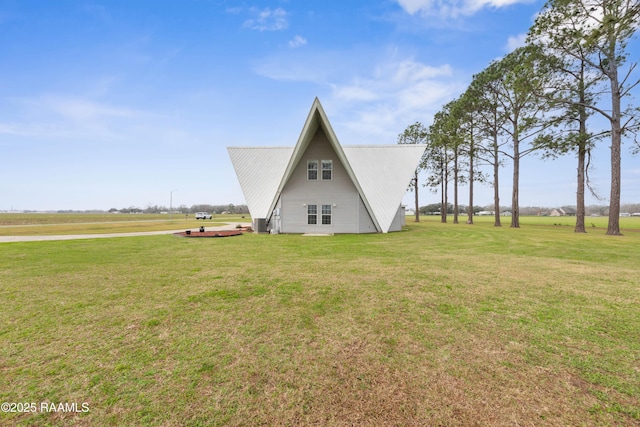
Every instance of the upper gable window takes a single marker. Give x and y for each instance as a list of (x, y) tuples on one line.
[(312, 170), (327, 170)]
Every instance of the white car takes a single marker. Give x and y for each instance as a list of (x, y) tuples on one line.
[(203, 215)]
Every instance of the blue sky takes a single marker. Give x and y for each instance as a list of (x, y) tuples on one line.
[(117, 103)]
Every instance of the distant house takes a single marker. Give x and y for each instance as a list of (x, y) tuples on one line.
[(319, 186), (565, 211)]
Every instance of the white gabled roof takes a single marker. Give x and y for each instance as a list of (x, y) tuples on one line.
[(380, 173), (259, 170), (384, 173)]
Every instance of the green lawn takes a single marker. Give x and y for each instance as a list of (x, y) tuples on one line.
[(439, 325), (61, 224)]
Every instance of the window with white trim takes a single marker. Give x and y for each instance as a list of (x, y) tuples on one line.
[(312, 170), (327, 170), (312, 214), (326, 214)]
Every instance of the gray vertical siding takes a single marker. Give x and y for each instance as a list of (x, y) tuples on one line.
[(347, 216), (399, 220), (365, 224)]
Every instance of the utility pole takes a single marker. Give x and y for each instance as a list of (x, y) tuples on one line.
[(171, 204)]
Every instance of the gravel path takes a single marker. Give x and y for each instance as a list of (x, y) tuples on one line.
[(5, 239)]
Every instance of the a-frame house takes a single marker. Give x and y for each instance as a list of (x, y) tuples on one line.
[(319, 186)]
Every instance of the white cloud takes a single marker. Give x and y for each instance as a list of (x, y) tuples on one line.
[(411, 71), (452, 8), (233, 10), (297, 41), (369, 95), (267, 20), (354, 93), (413, 6), (16, 129), (407, 79), (396, 94), (78, 109), (514, 42), (69, 117), (316, 67)]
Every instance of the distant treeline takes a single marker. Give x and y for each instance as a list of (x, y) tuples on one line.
[(432, 209), (600, 210), (217, 209)]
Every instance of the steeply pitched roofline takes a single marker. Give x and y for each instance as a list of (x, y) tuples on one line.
[(318, 118), (379, 173), (259, 184)]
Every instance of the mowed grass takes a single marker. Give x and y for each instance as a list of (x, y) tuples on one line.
[(63, 224), (439, 325), (35, 218)]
